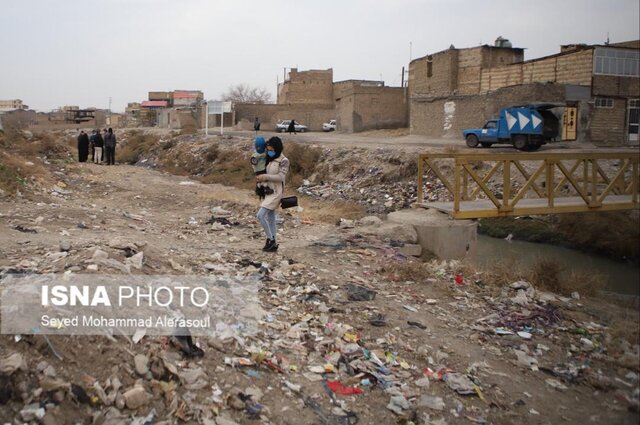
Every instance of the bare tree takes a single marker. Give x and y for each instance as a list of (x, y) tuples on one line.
[(243, 93)]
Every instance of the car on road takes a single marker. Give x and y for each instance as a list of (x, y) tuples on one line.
[(283, 126), (329, 126)]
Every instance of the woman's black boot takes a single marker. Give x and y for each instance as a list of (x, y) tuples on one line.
[(270, 243), (273, 247)]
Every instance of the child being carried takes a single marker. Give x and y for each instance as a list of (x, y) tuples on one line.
[(259, 164)]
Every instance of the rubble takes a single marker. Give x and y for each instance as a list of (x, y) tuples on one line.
[(12, 363), (136, 397), (351, 326), (141, 364)]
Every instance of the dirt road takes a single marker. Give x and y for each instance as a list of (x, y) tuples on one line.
[(400, 139), (437, 338)]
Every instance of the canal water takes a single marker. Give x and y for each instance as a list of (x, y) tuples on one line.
[(619, 277)]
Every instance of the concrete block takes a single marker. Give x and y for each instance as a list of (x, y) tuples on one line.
[(370, 220), (392, 230), (437, 233), (411, 250)]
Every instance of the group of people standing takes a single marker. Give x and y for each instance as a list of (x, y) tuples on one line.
[(100, 145)]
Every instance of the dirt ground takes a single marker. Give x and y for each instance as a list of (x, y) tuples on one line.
[(400, 139), (569, 366)]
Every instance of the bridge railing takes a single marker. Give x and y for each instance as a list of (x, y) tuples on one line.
[(489, 185)]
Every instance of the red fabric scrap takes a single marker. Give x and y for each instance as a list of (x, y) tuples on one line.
[(338, 388)]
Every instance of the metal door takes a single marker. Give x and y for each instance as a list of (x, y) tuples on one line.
[(569, 123)]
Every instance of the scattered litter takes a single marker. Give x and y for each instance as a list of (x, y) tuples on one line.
[(554, 383), (435, 403), (338, 388), (460, 383), (360, 293)]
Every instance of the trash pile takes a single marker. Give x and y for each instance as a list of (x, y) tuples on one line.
[(351, 328)]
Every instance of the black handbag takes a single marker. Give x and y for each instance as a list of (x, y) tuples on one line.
[(289, 202)]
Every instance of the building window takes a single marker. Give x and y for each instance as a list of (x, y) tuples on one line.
[(620, 62), (604, 102), (429, 66)]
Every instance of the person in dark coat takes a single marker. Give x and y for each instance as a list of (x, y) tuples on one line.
[(110, 147), (98, 145), (256, 125), (83, 147), (92, 145), (104, 137), (292, 127)]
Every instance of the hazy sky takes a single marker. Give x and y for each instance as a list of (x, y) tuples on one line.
[(81, 52)]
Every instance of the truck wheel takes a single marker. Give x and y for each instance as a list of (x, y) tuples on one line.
[(485, 144), (472, 141), (520, 142), (533, 146)]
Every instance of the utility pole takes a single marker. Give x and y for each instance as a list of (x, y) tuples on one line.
[(109, 118), (206, 118)]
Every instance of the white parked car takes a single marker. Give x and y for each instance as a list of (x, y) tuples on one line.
[(329, 126), (283, 126)]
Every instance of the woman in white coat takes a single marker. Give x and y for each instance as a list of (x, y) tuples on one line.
[(277, 169)]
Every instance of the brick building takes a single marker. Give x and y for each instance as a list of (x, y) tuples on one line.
[(313, 87), (168, 109), (369, 105), (312, 98), (12, 104), (460, 88)]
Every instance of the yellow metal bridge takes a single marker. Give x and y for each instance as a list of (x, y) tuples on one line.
[(513, 184)]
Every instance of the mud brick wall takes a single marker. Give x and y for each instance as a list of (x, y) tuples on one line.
[(371, 108), (313, 87), (607, 85), (457, 71), (608, 125), (571, 68), (270, 114), (448, 116)]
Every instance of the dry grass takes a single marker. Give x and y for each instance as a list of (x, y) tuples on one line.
[(328, 212), (613, 234), (624, 327), (232, 168), (400, 170), (415, 271), (189, 129), (21, 159), (500, 273), (547, 274), (303, 160), (12, 175), (451, 149), (135, 147), (228, 167)]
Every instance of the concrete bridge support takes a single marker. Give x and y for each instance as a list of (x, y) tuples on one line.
[(440, 235)]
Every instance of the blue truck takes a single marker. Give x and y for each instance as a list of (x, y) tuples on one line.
[(525, 127)]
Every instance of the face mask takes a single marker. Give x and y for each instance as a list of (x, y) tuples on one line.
[(271, 154)]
